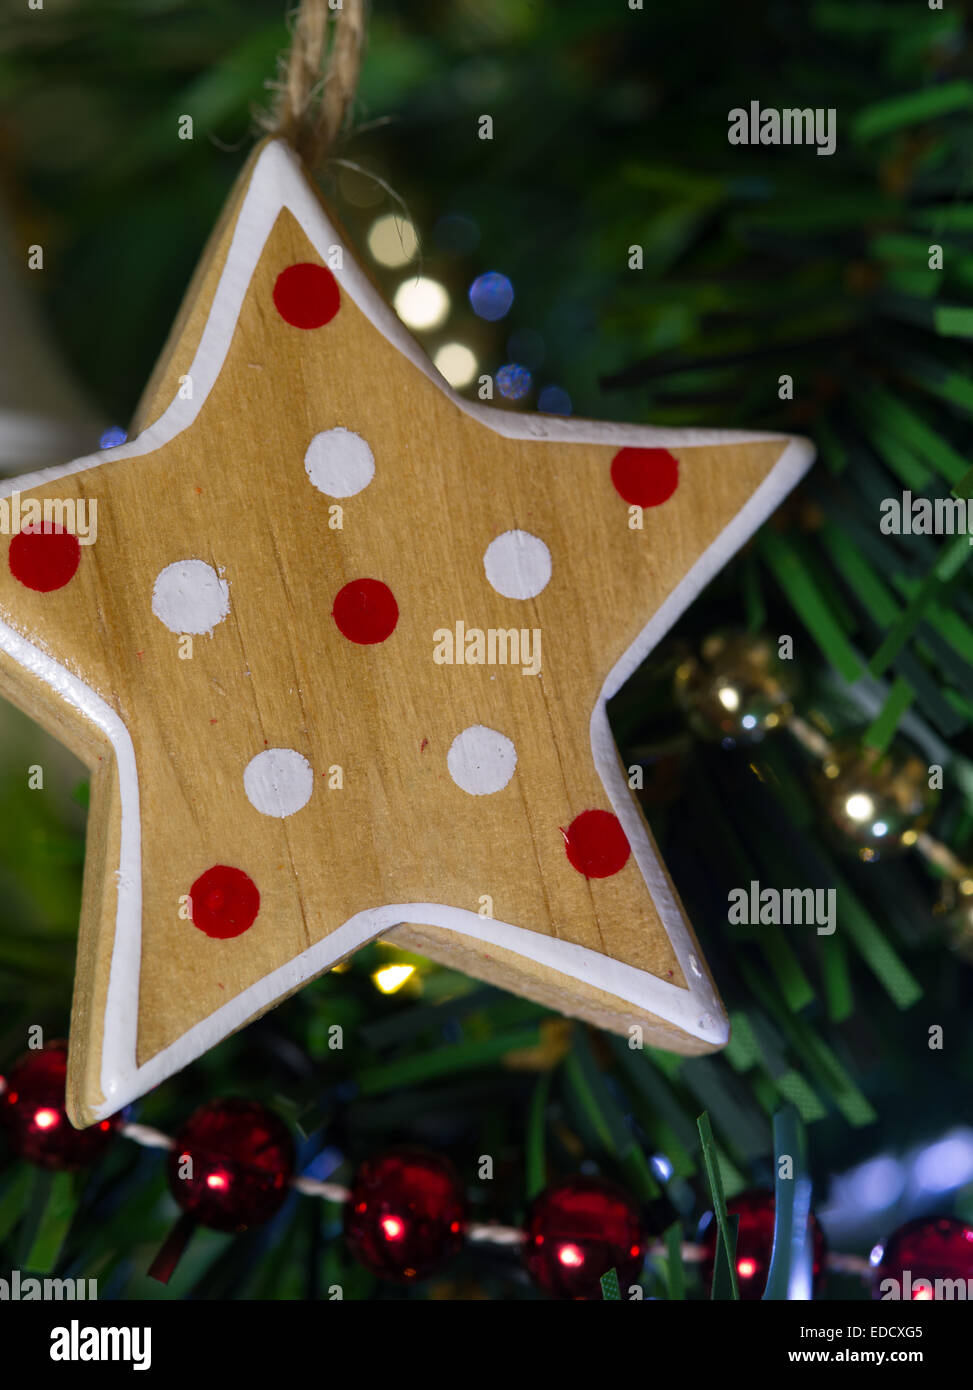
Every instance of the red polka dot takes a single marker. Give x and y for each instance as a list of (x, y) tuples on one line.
[(44, 558), (645, 477), (306, 295), (366, 611), (596, 844), (224, 902)]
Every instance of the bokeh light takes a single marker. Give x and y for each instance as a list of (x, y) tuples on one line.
[(860, 807), (457, 363), (946, 1164), (422, 303), (491, 295), (112, 437), (554, 401), (513, 382), (392, 241), (393, 1227), (876, 1184), (392, 977)]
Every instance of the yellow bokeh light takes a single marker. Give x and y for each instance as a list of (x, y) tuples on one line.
[(392, 977), (392, 241), (728, 697), (457, 363), (421, 302)]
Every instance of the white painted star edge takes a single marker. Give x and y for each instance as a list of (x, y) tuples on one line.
[(278, 181)]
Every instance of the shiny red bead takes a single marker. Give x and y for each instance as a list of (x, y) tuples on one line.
[(577, 1231), (406, 1214), (231, 1165), (33, 1116), (923, 1258), (755, 1243)]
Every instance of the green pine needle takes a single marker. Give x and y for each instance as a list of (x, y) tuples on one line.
[(726, 1240)]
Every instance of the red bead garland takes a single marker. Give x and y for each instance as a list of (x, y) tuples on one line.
[(755, 1243), (921, 1260), (231, 1165), (577, 1231), (33, 1116), (406, 1213)]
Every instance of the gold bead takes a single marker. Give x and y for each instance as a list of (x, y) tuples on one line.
[(876, 802), (737, 689)]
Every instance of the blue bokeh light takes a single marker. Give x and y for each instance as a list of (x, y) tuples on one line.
[(554, 401), (946, 1164), (513, 382), (876, 1184), (491, 295), (112, 437)]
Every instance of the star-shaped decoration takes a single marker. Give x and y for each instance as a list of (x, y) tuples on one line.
[(339, 658)]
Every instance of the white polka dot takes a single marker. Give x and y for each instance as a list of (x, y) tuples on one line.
[(278, 782), (189, 596), (517, 564), (339, 463), (481, 761)]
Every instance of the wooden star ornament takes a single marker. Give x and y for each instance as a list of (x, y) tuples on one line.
[(338, 658)]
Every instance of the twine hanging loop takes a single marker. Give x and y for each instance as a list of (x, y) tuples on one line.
[(318, 77)]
